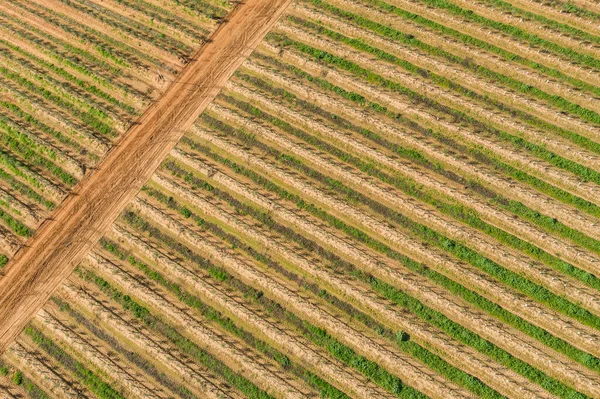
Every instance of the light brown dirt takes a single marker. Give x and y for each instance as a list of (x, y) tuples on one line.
[(475, 54), (196, 378), (45, 372), (506, 337), (550, 10), (495, 37), (10, 391), (558, 324), (344, 378), (564, 213), (364, 343), (456, 73), (264, 373), (503, 380), (87, 349), (78, 223)]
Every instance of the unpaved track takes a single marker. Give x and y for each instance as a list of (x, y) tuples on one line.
[(62, 241)]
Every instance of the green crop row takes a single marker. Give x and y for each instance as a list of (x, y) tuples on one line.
[(65, 88), (462, 252), (486, 347), (424, 233), (93, 37), (64, 53), (71, 78), (452, 286), (41, 126), (326, 390), (410, 187), (172, 334), (25, 139), (515, 32), (87, 117), (162, 15), (464, 61), (585, 173), (551, 224), (24, 189), (11, 139), (205, 8), (15, 225), (433, 361), (130, 26), (120, 346), (94, 382), (34, 391), (553, 24), (378, 374), (14, 165), (62, 89), (388, 8)]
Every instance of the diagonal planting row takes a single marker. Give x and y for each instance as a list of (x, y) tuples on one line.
[(346, 379), (521, 346), (75, 75)]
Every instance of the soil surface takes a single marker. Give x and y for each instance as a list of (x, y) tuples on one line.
[(62, 241)]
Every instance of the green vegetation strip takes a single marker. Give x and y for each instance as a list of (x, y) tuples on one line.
[(455, 288), (515, 32), (431, 360), (410, 187), (71, 78), (41, 126), (23, 188), (115, 344), (465, 62), (171, 333), (87, 377), (89, 117), (550, 224), (479, 261), (371, 369), (22, 144), (431, 316), (33, 391), (326, 390), (425, 234), (518, 143), (511, 57)]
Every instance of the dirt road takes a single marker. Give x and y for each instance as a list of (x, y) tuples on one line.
[(79, 222)]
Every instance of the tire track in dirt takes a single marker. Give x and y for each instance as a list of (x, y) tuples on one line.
[(78, 223)]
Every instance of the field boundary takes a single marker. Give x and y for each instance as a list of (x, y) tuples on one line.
[(87, 213)]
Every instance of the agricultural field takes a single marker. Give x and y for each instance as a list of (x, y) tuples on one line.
[(74, 75), (389, 199)]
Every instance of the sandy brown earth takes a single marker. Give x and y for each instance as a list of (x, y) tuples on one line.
[(63, 240)]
